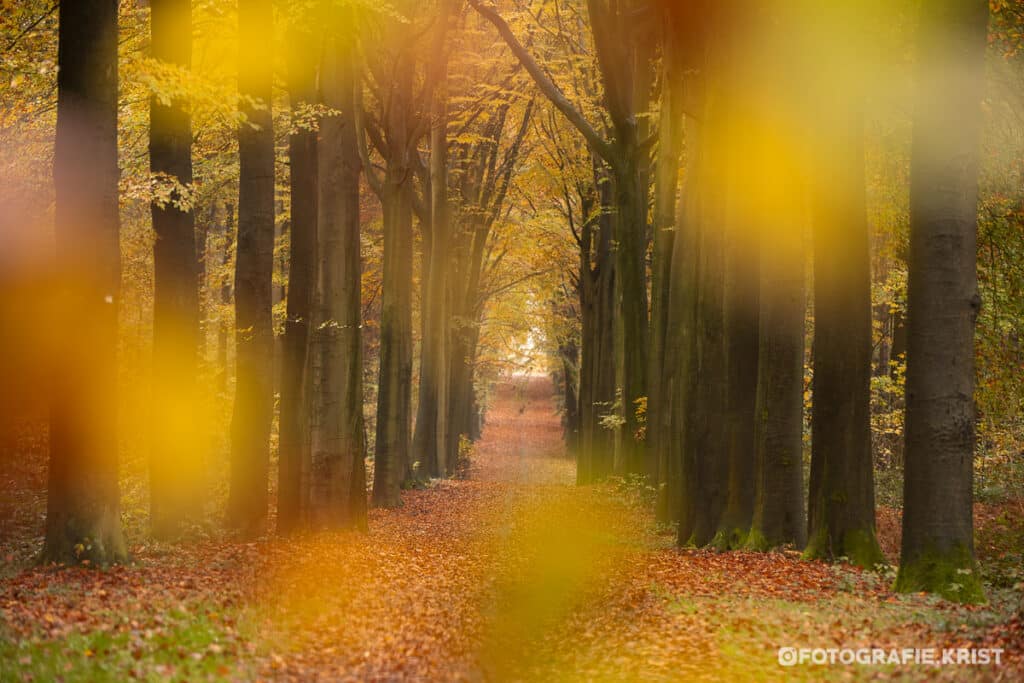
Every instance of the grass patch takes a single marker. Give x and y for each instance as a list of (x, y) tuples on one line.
[(191, 647)]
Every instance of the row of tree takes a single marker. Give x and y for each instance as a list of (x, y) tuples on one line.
[(373, 105), (692, 310), (705, 395)]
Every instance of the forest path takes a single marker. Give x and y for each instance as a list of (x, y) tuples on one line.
[(517, 574), (468, 579), (513, 574)]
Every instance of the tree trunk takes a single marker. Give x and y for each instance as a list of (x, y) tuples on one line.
[(741, 301), (337, 485), (841, 509), (682, 353), (223, 329), (430, 436), (394, 397), (778, 428), (942, 304), (666, 186), (631, 235), (587, 292), (709, 405), (600, 439), (176, 469), (83, 518), (254, 263), (568, 352), (302, 73)]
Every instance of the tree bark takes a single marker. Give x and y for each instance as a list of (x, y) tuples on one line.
[(666, 185), (741, 302), (943, 303), (394, 397), (337, 476), (83, 518), (254, 262), (709, 404), (682, 352), (302, 155), (431, 433), (841, 509), (223, 329), (598, 439), (176, 470), (778, 428)]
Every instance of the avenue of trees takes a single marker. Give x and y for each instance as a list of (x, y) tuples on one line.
[(688, 205)]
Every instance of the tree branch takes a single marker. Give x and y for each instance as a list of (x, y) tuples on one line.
[(546, 85)]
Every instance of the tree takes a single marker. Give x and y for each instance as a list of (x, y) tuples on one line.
[(302, 147), (943, 302), (395, 135), (776, 179), (778, 428), (83, 518), (337, 472), (671, 126), (175, 469), (431, 432), (841, 510), (254, 262)]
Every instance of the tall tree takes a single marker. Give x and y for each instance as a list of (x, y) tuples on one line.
[(943, 302), (666, 186), (707, 442), (431, 432), (337, 473), (395, 136), (302, 74), (254, 262), (83, 518), (597, 300), (778, 429), (778, 188), (741, 303), (175, 469), (841, 510), (681, 348)]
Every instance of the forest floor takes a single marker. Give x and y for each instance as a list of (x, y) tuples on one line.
[(512, 573)]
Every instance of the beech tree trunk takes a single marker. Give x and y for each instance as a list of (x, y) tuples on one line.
[(254, 263), (708, 405), (431, 432), (224, 296), (740, 301), (599, 347), (631, 236), (740, 330), (778, 428), (681, 345), (83, 517), (175, 466), (302, 74), (394, 397), (710, 437), (841, 510), (943, 303), (337, 474), (666, 186)]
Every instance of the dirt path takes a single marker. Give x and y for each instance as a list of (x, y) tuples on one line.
[(517, 574), (512, 574)]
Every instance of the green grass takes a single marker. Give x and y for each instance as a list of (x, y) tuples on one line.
[(190, 648)]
